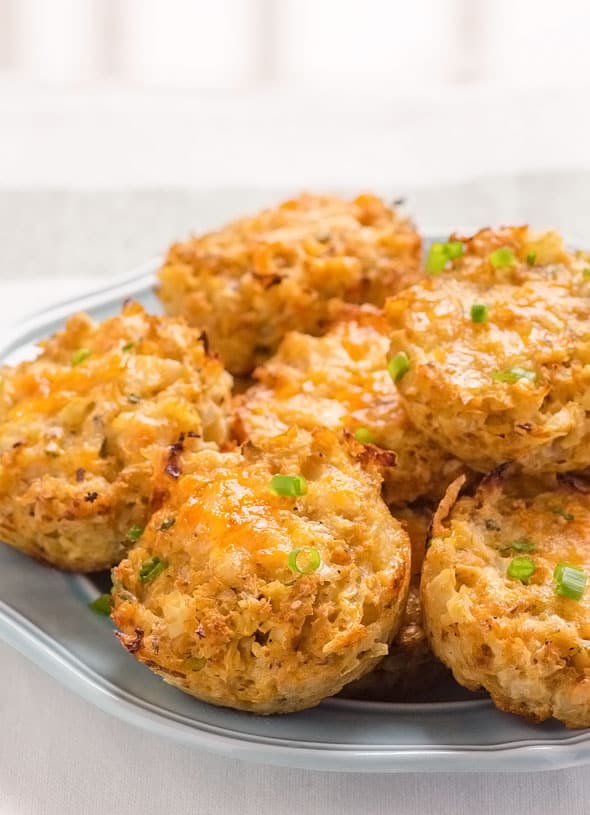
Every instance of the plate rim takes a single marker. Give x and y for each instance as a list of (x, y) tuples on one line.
[(56, 660), (53, 657)]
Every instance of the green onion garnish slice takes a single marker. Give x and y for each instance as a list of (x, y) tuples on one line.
[(562, 513), (128, 346), (167, 523), (363, 435), (531, 258), (521, 568), (304, 560), (513, 374), (102, 605), (151, 568), (523, 545), (79, 356), (194, 663), (479, 313), (586, 274), (570, 581), (502, 257), (135, 533), (398, 366), (440, 254), (291, 486)]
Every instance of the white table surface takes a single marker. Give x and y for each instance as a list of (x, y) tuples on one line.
[(60, 755)]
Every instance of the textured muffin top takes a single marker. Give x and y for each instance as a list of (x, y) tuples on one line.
[(264, 601), (495, 352), (341, 381), (257, 278), (497, 609), (80, 424)]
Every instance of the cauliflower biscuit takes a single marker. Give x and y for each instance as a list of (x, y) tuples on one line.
[(80, 425), (339, 381), (499, 609), (410, 668), (259, 277), (491, 356), (269, 579)]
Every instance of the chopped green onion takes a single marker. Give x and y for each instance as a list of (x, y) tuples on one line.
[(304, 560), (128, 346), (586, 274), (521, 568), (531, 258), (102, 605), (570, 581), (398, 366), (290, 486), (440, 254), (513, 374), (502, 257), (363, 435), (194, 663), (523, 545), (479, 313), (135, 533), (151, 568), (562, 513), (134, 398), (166, 524), (80, 356)]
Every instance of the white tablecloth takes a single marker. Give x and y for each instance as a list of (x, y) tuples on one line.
[(60, 755)]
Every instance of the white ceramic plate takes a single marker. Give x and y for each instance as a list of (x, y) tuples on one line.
[(44, 614)]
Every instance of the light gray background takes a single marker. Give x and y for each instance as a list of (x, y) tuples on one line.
[(49, 233), (60, 755)]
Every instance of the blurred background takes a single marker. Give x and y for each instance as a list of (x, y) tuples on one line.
[(342, 44), (100, 92), (131, 122)]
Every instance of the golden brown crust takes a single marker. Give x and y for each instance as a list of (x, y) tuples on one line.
[(257, 278), (446, 504), (522, 642), (258, 636), (341, 381), (81, 424), (410, 668), (461, 388)]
